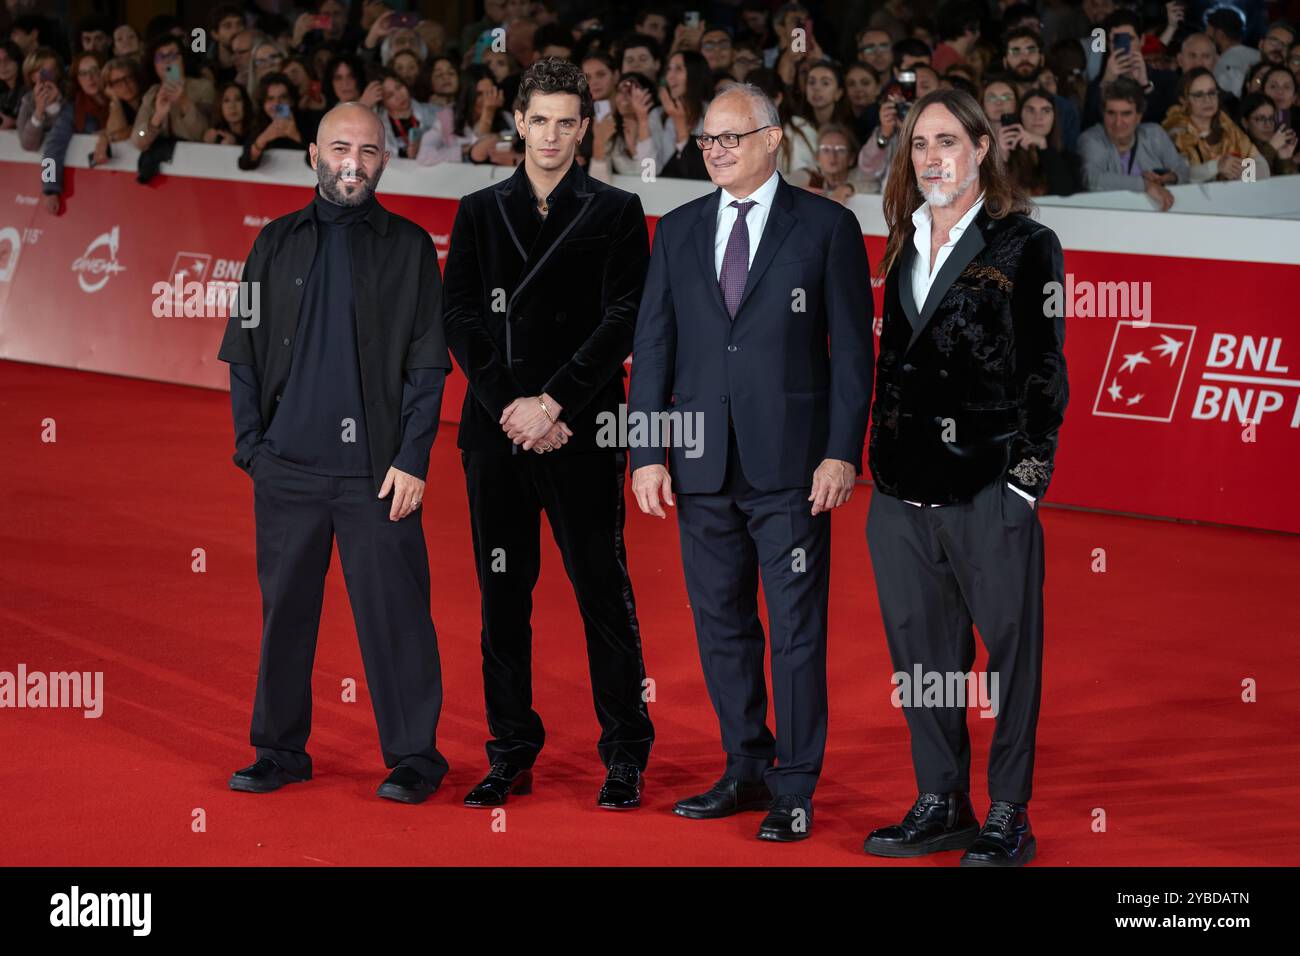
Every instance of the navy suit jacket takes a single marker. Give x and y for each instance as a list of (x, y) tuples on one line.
[(793, 369)]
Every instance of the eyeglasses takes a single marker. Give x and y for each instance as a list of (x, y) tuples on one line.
[(89, 71), (999, 97), (120, 80), (1264, 119), (1021, 50), (716, 45), (269, 60), (832, 149), (1203, 95), (870, 48), (166, 56), (725, 140)]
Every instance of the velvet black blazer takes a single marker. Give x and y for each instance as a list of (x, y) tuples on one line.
[(972, 387), (529, 309)]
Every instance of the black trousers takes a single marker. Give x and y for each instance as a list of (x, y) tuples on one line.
[(938, 570), (728, 541), (386, 568), (582, 495)]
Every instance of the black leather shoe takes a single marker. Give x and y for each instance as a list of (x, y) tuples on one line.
[(1005, 840), (502, 780), (405, 785), (622, 789), (724, 798), (936, 822), (263, 777), (788, 819)]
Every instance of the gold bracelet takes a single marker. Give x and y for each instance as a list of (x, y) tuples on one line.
[(546, 411)]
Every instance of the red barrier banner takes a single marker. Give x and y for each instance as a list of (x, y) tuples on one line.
[(1184, 373)]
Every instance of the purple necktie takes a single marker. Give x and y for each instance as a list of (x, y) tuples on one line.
[(735, 261)]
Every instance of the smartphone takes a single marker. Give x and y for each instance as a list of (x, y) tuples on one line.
[(506, 141), (1008, 119), (1160, 171), (907, 83), (603, 109), (172, 72), (900, 109), (408, 20), (1123, 42), (691, 18), (283, 111), (46, 75)]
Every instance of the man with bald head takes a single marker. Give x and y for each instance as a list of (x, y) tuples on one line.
[(337, 362), (755, 327)]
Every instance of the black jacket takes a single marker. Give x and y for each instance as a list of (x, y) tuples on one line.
[(973, 389), (397, 292), (792, 369), (548, 306)]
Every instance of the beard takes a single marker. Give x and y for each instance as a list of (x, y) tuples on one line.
[(1025, 70), (936, 196), (347, 185)]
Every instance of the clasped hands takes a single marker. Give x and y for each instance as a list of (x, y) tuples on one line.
[(526, 422)]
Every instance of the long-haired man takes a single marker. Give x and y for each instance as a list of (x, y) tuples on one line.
[(970, 393)]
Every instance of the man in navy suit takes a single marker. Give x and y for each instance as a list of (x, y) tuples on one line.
[(754, 334)]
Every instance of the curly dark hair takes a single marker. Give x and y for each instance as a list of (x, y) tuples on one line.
[(554, 75)]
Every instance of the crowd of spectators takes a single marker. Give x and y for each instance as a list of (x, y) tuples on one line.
[(1083, 94)]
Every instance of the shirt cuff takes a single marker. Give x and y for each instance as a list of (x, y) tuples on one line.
[(1022, 494)]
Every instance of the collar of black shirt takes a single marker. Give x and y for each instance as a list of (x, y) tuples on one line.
[(564, 188), (374, 214)]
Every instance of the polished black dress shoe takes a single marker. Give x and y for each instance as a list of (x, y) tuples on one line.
[(724, 798), (788, 819), (263, 777), (406, 785), (1005, 840), (622, 789), (936, 822), (502, 780)]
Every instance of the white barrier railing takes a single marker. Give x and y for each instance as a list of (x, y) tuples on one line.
[(1241, 222)]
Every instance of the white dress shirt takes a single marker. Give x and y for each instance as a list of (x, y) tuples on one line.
[(755, 219), (923, 276)]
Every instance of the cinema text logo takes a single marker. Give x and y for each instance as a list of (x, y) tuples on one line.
[(99, 262)]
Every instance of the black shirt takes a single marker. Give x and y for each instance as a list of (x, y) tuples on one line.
[(321, 422), (382, 353)]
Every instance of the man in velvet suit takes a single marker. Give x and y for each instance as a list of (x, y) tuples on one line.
[(756, 323), (541, 287), (970, 393)]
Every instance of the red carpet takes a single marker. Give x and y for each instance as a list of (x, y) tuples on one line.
[(1142, 714)]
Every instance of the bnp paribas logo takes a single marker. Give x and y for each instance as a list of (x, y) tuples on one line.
[(1144, 371), (99, 262)]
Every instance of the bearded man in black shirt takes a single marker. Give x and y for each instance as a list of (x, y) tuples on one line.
[(336, 375)]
